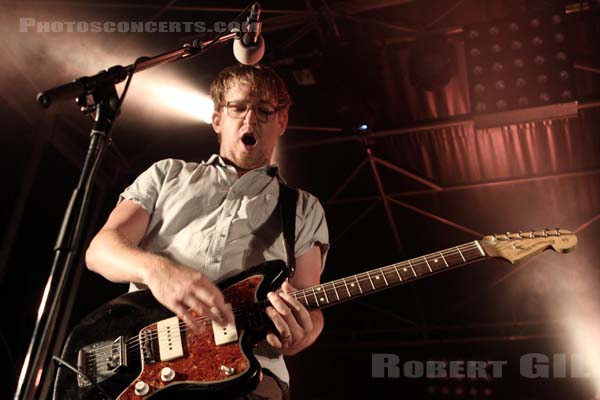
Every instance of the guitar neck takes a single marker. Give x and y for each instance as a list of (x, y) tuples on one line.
[(378, 279)]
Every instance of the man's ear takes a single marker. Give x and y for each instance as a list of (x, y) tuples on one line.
[(216, 121), (282, 121)]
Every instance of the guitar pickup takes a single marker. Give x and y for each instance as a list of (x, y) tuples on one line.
[(224, 333), (170, 346)]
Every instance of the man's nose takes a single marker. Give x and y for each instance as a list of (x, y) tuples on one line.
[(250, 117)]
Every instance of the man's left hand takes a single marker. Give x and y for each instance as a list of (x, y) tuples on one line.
[(294, 323)]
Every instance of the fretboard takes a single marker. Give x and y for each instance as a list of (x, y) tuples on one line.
[(365, 283)]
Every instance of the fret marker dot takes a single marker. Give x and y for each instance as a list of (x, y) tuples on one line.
[(404, 269), (322, 299), (377, 277), (352, 284), (318, 289), (435, 260)]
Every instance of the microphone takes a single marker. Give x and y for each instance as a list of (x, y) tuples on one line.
[(249, 46)]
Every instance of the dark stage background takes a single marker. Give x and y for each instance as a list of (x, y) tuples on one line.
[(421, 177)]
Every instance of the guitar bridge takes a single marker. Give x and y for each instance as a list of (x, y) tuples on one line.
[(100, 361), (147, 346)]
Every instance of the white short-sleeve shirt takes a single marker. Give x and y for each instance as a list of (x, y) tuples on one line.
[(206, 217)]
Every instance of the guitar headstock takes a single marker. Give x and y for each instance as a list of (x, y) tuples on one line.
[(514, 247)]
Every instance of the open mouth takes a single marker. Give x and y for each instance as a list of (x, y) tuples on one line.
[(249, 140)]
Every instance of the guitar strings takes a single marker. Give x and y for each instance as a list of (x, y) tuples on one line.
[(364, 277)]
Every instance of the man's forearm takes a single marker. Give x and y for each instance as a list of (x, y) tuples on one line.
[(113, 256)]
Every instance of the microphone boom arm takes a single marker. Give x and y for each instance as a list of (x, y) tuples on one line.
[(86, 85)]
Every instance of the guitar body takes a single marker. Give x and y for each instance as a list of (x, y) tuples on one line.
[(205, 370)]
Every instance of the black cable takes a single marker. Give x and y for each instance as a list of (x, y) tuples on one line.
[(62, 363), (128, 82), (236, 19)]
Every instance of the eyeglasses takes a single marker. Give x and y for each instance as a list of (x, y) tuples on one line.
[(264, 112)]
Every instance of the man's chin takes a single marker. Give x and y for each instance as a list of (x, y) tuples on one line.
[(250, 161)]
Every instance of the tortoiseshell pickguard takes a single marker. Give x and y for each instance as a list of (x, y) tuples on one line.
[(201, 364)]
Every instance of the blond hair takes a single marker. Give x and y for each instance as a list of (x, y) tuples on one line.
[(263, 81)]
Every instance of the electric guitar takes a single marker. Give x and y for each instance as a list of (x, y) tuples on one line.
[(134, 348)]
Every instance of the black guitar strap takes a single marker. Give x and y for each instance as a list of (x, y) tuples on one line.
[(288, 199)]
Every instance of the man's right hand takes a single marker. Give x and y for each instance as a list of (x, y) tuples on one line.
[(182, 289)]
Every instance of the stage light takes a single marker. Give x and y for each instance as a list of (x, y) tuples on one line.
[(539, 60), (584, 335), (181, 99), (535, 23), (561, 56), (432, 61), (519, 63), (362, 128), (566, 95), (522, 62)]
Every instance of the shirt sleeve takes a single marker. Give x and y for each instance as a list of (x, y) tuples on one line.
[(311, 226), (146, 188)]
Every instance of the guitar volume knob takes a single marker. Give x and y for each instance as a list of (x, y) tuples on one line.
[(227, 370), (167, 374), (141, 388)]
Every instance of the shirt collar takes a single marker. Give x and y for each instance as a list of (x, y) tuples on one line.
[(215, 159)]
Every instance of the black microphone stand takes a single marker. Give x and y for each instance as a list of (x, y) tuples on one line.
[(105, 108)]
